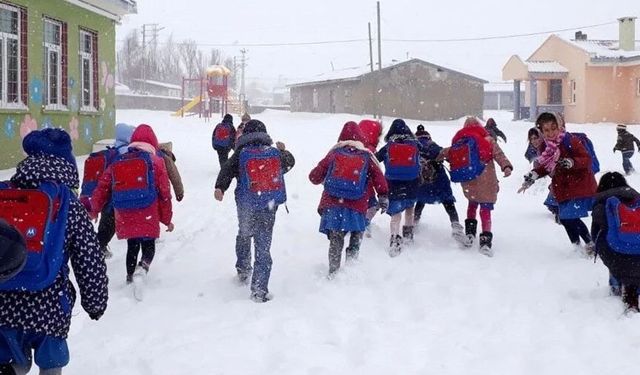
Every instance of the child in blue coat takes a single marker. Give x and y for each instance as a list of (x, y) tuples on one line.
[(436, 186)]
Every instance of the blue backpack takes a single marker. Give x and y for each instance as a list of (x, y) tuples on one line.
[(40, 215), (623, 220), (261, 181), (94, 167), (347, 175), (133, 183), (464, 160), (586, 142), (402, 162), (222, 135)]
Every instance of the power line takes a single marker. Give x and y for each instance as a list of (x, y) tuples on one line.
[(349, 41)]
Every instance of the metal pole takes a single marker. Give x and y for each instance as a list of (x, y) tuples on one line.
[(144, 59), (378, 101), (370, 48)]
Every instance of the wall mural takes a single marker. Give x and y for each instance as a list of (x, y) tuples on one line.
[(73, 128), (10, 127), (47, 123), (74, 105), (86, 132), (101, 128), (28, 125), (107, 78), (35, 90)]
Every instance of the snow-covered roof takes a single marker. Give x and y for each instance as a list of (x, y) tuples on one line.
[(605, 49), (159, 84), (546, 67), (122, 89), (500, 87), (113, 9)]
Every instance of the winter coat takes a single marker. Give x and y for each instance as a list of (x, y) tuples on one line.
[(400, 132), (351, 140), (143, 222), (625, 142), (371, 131), (438, 190), (575, 182), (484, 188), (624, 267), (166, 150), (493, 130), (231, 169), (49, 310), (233, 136)]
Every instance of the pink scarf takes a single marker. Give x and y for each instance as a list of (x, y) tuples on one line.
[(551, 153)]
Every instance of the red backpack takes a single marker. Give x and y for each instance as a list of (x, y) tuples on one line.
[(94, 167), (222, 135), (133, 181)]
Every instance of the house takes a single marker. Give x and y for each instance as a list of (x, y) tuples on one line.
[(499, 96), (586, 80), (57, 65), (156, 88), (413, 89)]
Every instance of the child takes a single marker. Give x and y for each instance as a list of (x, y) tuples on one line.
[(245, 118), (622, 258), (166, 151), (535, 149), (35, 313), (347, 171), (436, 187), (259, 168), (223, 138), (92, 173), (625, 145), (371, 131), (139, 210), (573, 184), (481, 188), (401, 156), (493, 130)]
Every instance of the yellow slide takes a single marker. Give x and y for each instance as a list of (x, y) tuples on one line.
[(188, 106)]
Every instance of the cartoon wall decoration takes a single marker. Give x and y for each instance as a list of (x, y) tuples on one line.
[(101, 128), (107, 78), (28, 125), (35, 90), (86, 132), (47, 123), (73, 128), (10, 127)]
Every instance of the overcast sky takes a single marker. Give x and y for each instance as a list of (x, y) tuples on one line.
[(288, 21)]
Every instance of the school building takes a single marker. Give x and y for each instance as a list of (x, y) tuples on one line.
[(57, 66)]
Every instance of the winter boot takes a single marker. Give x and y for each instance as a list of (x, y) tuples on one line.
[(395, 245), (457, 232), (630, 298), (485, 243), (243, 278), (470, 229), (259, 297), (407, 234)]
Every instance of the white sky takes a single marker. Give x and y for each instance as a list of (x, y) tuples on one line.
[(283, 21)]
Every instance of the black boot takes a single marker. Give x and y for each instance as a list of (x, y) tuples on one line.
[(470, 229), (407, 234), (395, 245), (630, 298), (485, 243)]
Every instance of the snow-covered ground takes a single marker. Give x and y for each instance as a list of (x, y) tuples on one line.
[(537, 307)]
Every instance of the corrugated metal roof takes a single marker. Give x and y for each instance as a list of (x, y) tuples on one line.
[(546, 67), (607, 49)]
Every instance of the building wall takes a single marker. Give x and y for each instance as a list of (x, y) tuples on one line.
[(85, 128), (575, 60), (500, 100), (634, 76)]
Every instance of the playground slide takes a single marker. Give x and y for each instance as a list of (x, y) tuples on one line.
[(188, 106)]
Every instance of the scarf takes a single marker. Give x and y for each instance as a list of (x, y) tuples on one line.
[(551, 153)]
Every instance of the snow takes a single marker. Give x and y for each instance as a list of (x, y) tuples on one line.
[(546, 67), (536, 307), (605, 48), (159, 84)]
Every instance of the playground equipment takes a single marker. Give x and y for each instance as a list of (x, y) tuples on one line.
[(215, 98)]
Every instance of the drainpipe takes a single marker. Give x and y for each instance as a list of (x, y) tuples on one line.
[(627, 33)]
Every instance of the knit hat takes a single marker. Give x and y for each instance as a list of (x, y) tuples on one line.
[(13, 251), (49, 141), (245, 118), (123, 134), (227, 119), (254, 126), (621, 127), (420, 132)]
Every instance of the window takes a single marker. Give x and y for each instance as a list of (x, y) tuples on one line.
[(55, 88), (555, 91), (12, 57), (88, 58), (572, 90)]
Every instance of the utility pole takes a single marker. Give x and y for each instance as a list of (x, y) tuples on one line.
[(243, 65), (370, 48), (373, 85), (378, 101), (151, 30)]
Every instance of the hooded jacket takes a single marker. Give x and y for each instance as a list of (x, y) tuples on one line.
[(49, 310), (625, 141), (625, 268), (371, 131), (226, 121), (143, 222), (166, 150), (351, 140)]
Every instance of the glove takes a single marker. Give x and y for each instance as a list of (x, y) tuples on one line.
[(179, 197), (530, 177), (96, 315), (565, 163), (383, 204)]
